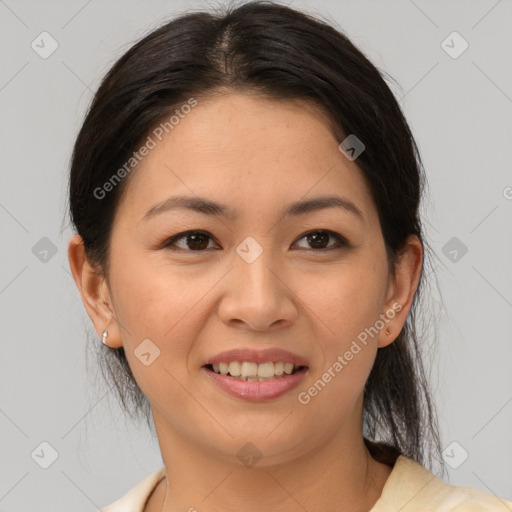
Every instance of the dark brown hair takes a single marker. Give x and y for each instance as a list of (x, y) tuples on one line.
[(280, 53)]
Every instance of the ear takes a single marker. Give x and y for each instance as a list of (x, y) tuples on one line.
[(401, 289), (94, 291)]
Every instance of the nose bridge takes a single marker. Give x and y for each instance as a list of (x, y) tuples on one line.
[(256, 296), (253, 267)]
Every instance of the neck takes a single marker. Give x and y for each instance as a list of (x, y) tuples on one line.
[(340, 475)]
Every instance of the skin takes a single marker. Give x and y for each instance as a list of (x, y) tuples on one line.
[(256, 156)]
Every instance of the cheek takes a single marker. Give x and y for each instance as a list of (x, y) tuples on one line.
[(349, 305), (153, 296), (351, 298), (160, 304)]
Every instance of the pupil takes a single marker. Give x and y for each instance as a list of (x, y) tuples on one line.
[(316, 239), (194, 241)]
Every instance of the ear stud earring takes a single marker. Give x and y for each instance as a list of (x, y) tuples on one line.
[(388, 332), (105, 336)]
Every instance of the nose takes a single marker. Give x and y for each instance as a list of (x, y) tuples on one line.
[(257, 295)]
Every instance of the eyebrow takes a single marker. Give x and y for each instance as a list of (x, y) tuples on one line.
[(208, 207)]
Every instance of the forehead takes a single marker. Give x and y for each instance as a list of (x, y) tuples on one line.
[(249, 152)]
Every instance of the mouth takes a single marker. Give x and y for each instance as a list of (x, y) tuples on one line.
[(249, 371), (255, 381), (255, 374)]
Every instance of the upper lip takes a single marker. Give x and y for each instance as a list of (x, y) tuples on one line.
[(257, 356)]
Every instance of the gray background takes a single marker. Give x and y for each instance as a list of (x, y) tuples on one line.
[(460, 113)]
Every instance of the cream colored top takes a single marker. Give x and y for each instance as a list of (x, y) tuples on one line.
[(409, 488)]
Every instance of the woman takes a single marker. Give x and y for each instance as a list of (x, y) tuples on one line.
[(245, 191)]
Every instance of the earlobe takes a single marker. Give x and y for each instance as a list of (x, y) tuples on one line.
[(387, 335), (402, 289), (93, 290)]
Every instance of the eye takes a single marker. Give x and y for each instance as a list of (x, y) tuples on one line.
[(196, 241), (318, 240)]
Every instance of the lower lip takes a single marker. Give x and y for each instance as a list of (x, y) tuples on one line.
[(257, 391)]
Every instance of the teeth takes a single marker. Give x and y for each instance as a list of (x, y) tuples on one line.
[(254, 372), (234, 369), (288, 368), (266, 370), (249, 369), (279, 368)]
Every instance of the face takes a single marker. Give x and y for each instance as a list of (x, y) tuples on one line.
[(186, 285)]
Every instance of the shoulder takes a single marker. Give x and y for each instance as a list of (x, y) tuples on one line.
[(135, 499), (412, 488)]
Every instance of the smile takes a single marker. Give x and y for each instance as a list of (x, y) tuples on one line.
[(254, 372), (256, 382)]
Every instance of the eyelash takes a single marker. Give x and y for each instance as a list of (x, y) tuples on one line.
[(341, 241)]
